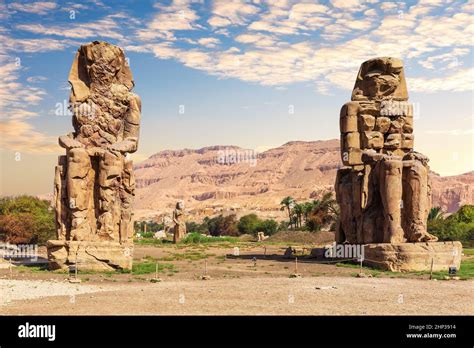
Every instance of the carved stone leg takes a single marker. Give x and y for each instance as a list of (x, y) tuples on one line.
[(345, 230), (391, 192), (60, 199), (356, 206), (416, 202), (110, 175), (127, 192), (79, 165)]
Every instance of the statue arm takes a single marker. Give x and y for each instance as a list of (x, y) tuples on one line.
[(68, 142), (131, 127)]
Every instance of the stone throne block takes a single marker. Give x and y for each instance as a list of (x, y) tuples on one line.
[(94, 253)]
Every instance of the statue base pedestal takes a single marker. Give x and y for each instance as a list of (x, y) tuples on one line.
[(405, 257), (90, 256)]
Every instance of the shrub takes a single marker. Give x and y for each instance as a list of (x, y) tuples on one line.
[(223, 225), (248, 224), (268, 226), (458, 226), (26, 219), (283, 226), (195, 227)]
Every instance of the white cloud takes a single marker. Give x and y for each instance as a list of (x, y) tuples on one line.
[(256, 39), (353, 5), (461, 81), (217, 21), (178, 20), (35, 79), (15, 100), (387, 6), (209, 42), (105, 27), (236, 11), (39, 7), (451, 59)]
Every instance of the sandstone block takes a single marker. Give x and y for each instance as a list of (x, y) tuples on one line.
[(405, 257), (350, 109), (90, 256), (366, 123), (396, 125), (351, 140), (348, 124), (407, 141), (372, 140), (393, 141), (352, 157), (382, 124), (407, 124)]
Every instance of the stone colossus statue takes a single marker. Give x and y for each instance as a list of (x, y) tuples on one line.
[(94, 182), (383, 190)]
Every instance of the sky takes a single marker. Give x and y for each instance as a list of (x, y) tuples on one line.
[(256, 74)]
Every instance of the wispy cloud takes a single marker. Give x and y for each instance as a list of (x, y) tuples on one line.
[(277, 44), (272, 43), (38, 7), (15, 99)]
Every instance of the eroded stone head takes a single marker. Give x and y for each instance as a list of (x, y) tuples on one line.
[(98, 63), (380, 78)]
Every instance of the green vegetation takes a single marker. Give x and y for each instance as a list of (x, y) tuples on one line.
[(251, 224), (229, 226), (35, 269), (149, 265), (197, 238), (194, 227), (222, 225), (26, 220), (151, 241), (287, 203), (457, 226), (187, 255), (435, 214), (312, 216)]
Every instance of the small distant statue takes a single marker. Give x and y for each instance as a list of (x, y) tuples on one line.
[(261, 236), (180, 225)]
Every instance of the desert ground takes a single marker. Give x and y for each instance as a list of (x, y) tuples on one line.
[(256, 282)]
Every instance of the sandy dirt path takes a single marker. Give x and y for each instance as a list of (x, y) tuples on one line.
[(259, 296)]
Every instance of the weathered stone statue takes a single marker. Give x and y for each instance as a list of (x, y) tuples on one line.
[(383, 190), (179, 223), (94, 182)]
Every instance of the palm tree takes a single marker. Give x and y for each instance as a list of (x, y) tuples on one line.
[(325, 211), (288, 203), (307, 208), (436, 213), (298, 210)]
